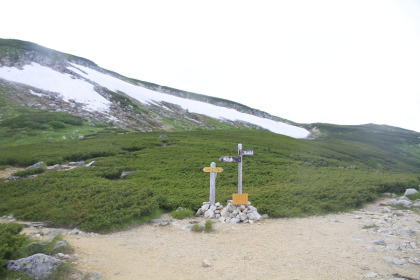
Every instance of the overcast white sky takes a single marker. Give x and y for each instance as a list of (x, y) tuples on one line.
[(343, 62)]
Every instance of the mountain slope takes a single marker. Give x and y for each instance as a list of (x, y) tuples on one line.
[(61, 82), (47, 96)]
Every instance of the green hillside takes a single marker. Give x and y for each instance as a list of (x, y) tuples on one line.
[(344, 168)]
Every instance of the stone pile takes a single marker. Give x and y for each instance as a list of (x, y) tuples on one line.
[(210, 211), (244, 213)]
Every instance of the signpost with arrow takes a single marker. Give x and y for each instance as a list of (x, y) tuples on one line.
[(213, 170), (238, 159)]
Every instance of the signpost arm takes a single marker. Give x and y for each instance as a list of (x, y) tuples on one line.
[(240, 169), (213, 184)]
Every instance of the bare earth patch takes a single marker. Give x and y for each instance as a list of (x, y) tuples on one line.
[(327, 247), (6, 173)]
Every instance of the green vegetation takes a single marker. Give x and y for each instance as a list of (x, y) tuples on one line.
[(207, 227), (369, 226), (19, 126), (40, 120), (414, 196), (182, 213), (342, 170), (14, 245), (29, 172), (16, 49), (10, 243)]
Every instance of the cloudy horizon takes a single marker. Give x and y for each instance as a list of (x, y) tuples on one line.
[(341, 62)]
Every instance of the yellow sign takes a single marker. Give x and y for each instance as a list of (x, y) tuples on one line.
[(240, 198), (218, 169), (210, 169)]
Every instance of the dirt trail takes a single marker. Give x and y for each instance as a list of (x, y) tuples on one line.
[(327, 247), (9, 171)]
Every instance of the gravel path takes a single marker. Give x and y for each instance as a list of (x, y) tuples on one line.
[(327, 247)]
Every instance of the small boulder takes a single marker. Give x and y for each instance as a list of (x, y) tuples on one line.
[(53, 167), (94, 276), (209, 214), (231, 207), (234, 220), (410, 192), (393, 247), (395, 261), (159, 222), (36, 165), (371, 275), (38, 266), (60, 244), (403, 202), (379, 242), (205, 207), (405, 231), (205, 263), (75, 231), (242, 217), (254, 216), (90, 163)]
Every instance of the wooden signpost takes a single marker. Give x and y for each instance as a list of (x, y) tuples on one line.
[(213, 170), (238, 159)]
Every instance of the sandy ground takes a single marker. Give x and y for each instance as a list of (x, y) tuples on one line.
[(9, 171), (326, 247)]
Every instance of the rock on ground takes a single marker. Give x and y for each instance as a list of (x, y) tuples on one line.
[(36, 165), (206, 263), (395, 261), (60, 244), (410, 192), (38, 266)]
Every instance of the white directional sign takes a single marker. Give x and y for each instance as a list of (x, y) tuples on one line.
[(230, 159), (247, 152)]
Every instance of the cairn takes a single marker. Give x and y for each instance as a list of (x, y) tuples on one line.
[(244, 213)]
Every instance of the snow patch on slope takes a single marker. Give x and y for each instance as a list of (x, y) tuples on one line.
[(67, 86), (147, 96)]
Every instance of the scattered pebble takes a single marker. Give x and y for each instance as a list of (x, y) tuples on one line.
[(205, 263)]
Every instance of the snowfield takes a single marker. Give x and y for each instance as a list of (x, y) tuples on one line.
[(66, 85), (147, 96), (70, 87)]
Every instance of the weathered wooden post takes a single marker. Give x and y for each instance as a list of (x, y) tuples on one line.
[(238, 159), (240, 169), (213, 170)]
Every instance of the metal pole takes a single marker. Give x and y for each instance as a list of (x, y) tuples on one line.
[(213, 184), (240, 169)]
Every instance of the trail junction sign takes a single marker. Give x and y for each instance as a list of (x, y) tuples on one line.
[(238, 159)]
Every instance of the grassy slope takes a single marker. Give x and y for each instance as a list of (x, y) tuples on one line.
[(286, 177)]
